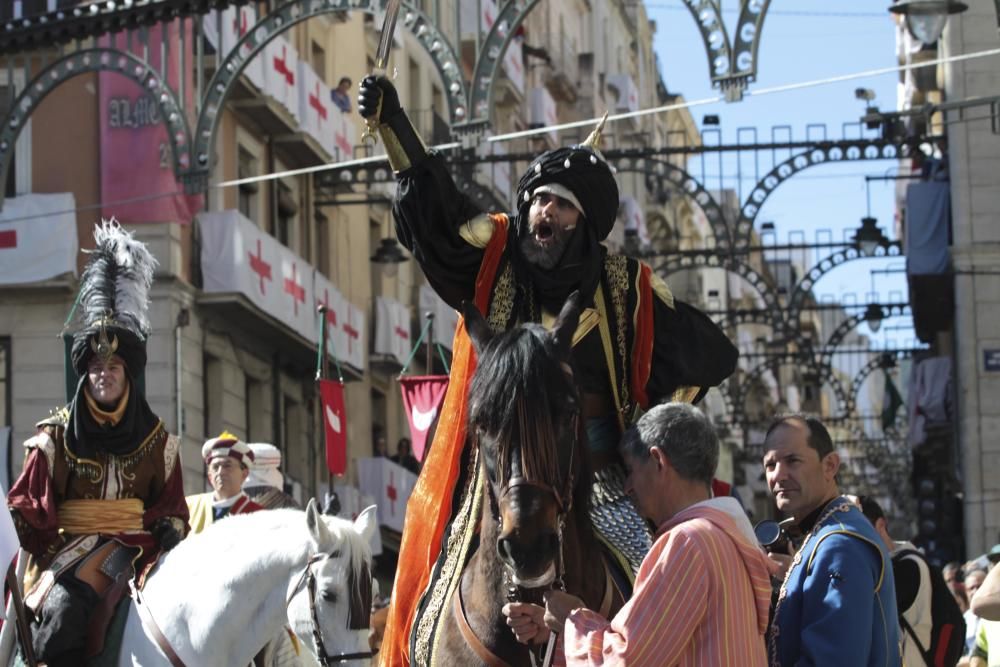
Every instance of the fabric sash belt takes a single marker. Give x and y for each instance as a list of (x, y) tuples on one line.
[(89, 517)]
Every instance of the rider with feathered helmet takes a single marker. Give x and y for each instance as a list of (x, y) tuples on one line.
[(101, 494), (636, 345)]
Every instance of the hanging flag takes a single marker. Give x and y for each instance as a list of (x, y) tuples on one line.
[(422, 398), (891, 402), (335, 424)]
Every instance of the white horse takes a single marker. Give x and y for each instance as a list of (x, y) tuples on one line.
[(219, 596)]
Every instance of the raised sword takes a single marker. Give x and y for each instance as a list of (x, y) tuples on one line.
[(382, 61)]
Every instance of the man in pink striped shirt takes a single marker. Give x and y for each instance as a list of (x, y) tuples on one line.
[(702, 593)]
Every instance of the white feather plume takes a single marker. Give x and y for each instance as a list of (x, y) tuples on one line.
[(117, 278)]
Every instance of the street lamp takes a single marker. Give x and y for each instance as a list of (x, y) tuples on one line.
[(389, 255), (925, 19), (868, 236), (874, 316)]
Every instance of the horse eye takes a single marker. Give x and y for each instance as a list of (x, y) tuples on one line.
[(330, 596)]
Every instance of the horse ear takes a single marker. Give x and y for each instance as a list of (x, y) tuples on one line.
[(317, 527), (477, 327), (367, 522), (566, 323)]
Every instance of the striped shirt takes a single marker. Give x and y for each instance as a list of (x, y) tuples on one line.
[(701, 598)]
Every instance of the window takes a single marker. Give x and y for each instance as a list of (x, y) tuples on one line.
[(213, 390), (286, 224), (319, 61), (19, 172), (248, 192), (322, 248), (258, 408)]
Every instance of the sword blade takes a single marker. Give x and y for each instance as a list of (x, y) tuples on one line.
[(385, 39)]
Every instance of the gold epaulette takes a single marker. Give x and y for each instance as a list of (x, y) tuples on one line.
[(57, 417), (478, 231)]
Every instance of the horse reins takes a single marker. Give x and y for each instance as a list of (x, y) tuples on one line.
[(309, 577)]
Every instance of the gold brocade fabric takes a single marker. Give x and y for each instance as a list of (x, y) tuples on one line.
[(90, 517)]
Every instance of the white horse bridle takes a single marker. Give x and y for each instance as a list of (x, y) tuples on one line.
[(309, 577)]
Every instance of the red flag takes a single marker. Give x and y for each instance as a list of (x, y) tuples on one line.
[(335, 424), (422, 398)]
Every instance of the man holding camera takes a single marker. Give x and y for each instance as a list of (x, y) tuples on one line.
[(837, 604)]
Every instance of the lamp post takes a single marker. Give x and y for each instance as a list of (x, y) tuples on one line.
[(389, 255), (874, 316), (925, 19), (868, 236)]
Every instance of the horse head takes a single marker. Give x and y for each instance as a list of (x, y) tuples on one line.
[(524, 414), (329, 606)]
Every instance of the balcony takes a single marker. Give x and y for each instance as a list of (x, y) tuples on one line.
[(562, 79)]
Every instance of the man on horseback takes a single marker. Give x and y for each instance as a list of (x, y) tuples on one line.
[(228, 460), (101, 493), (635, 346)]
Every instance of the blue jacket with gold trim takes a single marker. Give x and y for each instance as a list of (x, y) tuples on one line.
[(837, 605)]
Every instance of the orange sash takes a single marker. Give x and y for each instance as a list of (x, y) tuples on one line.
[(429, 507)]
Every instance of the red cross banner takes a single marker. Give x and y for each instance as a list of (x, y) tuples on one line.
[(327, 294), (390, 484), (334, 424), (445, 317), (316, 109), (281, 69), (237, 257), (235, 23), (422, 398), (37, 238), (355, 336), (392, 329)]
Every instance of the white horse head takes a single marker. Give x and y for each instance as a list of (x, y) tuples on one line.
[(219, 596), (329, 606)]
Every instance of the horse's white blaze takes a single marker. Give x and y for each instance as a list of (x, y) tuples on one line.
[(220, 595)]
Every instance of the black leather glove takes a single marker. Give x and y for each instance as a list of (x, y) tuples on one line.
[(163, 531), (374, 90)]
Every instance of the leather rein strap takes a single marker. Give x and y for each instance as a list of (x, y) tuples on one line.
[(148, 622), (483, 653)]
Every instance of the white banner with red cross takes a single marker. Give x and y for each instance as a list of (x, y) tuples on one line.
[(235, 23), (355, 350), (392, 329), (422, 398), (327, 294), (37, 238), (316, 108), (445, 317), (342, 129), (281, 69), (390, 484), (237, 256)]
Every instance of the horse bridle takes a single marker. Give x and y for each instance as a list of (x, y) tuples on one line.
[(309, 577)]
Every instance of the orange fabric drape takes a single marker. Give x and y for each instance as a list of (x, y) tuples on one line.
[(429, 507)]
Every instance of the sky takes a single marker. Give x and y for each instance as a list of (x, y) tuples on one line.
[(801, 41)]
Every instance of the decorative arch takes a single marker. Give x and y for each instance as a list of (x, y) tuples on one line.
[(684, 182), (731, 67), (865, 372), (848, 254), (821, 153), (708, 259), (849, 325), (491, 53), (279, 21), (96, 60)]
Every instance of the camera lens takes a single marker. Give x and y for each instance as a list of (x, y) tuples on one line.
[(768, 532)]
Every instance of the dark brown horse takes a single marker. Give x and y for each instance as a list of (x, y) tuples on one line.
[(534, 532)]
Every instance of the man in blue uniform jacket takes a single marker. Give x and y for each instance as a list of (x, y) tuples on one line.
[(837, 604)]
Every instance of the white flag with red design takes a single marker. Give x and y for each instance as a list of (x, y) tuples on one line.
[(343, 132), (37, 238), (316, 107), (422, 398), (326, 293), (281, 70), (392, 329), (235, 23), (391, 485), (445, 317), (355, 339), (331, 394)]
